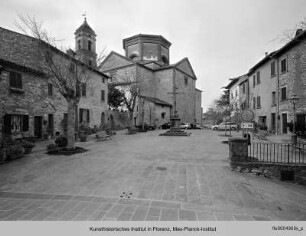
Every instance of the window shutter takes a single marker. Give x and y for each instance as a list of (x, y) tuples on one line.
[(7, 124), (103, 95), (80, 115), (25, 123), (88, 116), (12, 79), (19, 81)]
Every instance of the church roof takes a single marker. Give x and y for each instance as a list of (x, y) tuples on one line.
[(85, 28)]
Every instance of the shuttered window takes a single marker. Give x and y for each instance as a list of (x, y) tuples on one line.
[(15, 80), (102, 95), (50, 89)]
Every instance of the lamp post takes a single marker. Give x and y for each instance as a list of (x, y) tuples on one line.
[(294, 99)]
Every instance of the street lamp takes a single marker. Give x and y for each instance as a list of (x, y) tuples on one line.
[(294, 99)]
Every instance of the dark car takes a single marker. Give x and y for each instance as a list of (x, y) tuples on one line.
[(166, 126), (145, 127), (195, 126)]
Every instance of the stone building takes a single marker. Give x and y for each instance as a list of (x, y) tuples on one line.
[(29, 104), (148, 58), (273, 81)]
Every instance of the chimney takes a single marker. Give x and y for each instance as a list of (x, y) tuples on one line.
[(71, 53), (298, 32), (266, 54)]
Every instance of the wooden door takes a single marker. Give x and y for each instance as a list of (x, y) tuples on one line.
[(38, 127)]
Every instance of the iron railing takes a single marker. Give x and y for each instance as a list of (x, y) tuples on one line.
[(277, 153)]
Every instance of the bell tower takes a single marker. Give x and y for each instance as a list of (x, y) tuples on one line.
[(85, 44)]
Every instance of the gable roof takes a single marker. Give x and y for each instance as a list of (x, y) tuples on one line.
[(113, 61), (23, 50), (185, 66), (156, 101), (232, 83)]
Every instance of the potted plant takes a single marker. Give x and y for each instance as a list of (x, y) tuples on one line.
[(28, 146)]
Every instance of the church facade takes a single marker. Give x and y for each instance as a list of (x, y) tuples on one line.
[(168, 87)]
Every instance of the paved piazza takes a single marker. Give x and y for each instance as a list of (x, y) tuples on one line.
[(144, 177)]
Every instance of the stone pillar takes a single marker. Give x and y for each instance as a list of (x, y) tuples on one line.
[(238, 149)]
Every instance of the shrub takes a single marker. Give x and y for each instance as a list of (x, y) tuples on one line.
[(27, 144), (51, 147), (61, 141)]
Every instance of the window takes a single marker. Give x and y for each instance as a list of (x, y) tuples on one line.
[(254, 103), (89, 45), (50, 89), (243, 88), (90, 62), (15, 80), (83, 89), (258, 77), (103, 80), (272, 68), (258, 102), (16, 123), (102, 95), (186, 80), (232, 95), (283, 93), (84, 116), (283, 65), (79, 44), (273, 99), (163, 115), (254, 81)]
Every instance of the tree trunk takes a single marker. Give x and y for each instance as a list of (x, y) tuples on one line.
[(71, 124), (131, 128)]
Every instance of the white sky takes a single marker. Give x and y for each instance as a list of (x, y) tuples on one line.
[(222, 39)]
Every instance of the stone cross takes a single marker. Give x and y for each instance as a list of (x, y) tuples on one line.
[(175, 88)]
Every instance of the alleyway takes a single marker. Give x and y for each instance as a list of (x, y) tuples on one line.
[(144, 177)]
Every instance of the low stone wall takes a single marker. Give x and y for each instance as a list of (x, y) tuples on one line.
[(239, 161)]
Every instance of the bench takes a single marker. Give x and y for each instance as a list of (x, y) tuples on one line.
[(102, 136)]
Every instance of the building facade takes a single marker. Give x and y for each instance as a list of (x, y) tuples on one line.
[(169, 84), (271, 84), (29, 103)]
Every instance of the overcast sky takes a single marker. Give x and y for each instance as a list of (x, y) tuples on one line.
[(222, 39)]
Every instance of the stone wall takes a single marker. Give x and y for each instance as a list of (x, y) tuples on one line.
[(185, 98)]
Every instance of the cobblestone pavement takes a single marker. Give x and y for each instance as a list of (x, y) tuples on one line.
[(144, 177)]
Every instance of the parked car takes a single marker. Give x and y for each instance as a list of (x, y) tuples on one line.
[(195, 126), (166, 126), (185, 126), (145, 127), (225, 126)]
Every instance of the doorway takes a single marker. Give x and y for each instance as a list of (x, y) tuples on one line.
[(38, 127), (284, 118), (51, 125)]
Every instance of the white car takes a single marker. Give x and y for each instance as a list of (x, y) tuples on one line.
[(225, 126), (185, 126)]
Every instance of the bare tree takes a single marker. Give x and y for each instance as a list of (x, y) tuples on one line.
[(290, 34), (66, 74)]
